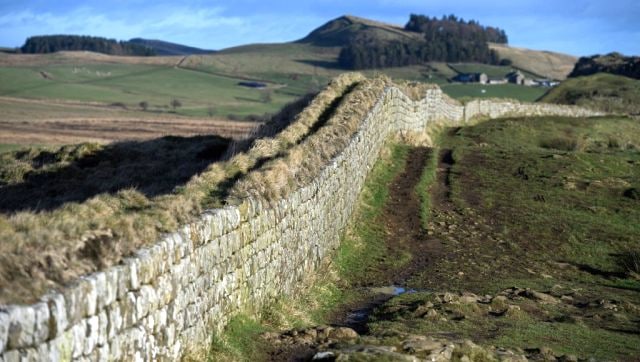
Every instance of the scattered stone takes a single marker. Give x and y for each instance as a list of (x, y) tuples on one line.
[(421, 344), (468, 298), (542, 297), (343, 333), (322, 356)]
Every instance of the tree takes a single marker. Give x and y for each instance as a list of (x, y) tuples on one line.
[(144, 105), (175, 104), (211, 111)]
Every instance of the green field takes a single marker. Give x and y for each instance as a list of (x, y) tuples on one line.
[(129, 84), (522, 93)]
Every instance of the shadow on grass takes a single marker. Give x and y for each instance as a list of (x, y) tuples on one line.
[(79, 172)]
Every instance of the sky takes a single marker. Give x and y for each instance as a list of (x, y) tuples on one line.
[(577, 27)]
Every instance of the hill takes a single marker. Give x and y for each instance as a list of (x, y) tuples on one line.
[(348, 29), (614, 63), (161, 47), (426, 39), (543, 63), (606, 92)]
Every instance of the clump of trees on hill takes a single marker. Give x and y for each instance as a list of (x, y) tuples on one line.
[(448, 39), (55, 43), (614, 63)]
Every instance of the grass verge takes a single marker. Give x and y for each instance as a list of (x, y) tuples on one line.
[(360, 248)]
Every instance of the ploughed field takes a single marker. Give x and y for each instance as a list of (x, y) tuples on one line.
[(512, 238)]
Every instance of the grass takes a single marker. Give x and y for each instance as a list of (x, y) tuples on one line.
[(602, 91), (424, 185), (200, 93), (364, 244), (551, 192), (513, 91)]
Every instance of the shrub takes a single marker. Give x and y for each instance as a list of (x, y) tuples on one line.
[(559, 143)]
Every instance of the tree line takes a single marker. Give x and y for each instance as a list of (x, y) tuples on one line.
[(448, 39), (55, 43)]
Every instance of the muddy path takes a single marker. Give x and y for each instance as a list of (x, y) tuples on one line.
[(404, 238)]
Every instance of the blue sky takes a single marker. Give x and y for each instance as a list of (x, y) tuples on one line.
[(579, 27)]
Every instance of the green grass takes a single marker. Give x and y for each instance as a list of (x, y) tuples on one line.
[(363, 247), (522, 93), (422, 188), (549, 196), (130, 84), (606, 92), (240, 341)]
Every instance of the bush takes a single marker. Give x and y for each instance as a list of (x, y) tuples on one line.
[(560, 143)]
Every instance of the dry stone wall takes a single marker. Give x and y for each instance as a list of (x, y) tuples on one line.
[(188, 285)]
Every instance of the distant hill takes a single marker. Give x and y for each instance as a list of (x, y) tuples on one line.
[(614, 63), (55, 43), (603, 91), (543, 63), (368, 44), (167, 48), (348, 29)]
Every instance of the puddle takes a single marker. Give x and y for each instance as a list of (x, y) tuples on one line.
[(358, 318), (391, 290)]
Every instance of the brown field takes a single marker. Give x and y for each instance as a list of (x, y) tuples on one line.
[(27, 122), (73, 57)]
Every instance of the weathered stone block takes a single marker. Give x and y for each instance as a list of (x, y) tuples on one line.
[(22, 323), (4, 330), (89, 297), (78, 335), (57, 314), (92, 330), (41, 332), (103, 328)]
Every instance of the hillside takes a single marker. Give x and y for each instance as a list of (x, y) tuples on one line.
[(161, 47), (346, 29), (543, 63), (613, 63), (606, 92)]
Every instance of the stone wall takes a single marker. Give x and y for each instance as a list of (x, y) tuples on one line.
[(174, 294)]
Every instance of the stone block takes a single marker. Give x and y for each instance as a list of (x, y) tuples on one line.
[(78, 336), (110, 292), (4, 330), (130, 274), (115, 320), (92, 330), (41, 332), (22, 324), (58, 322), (89, 296), (103, 328)]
